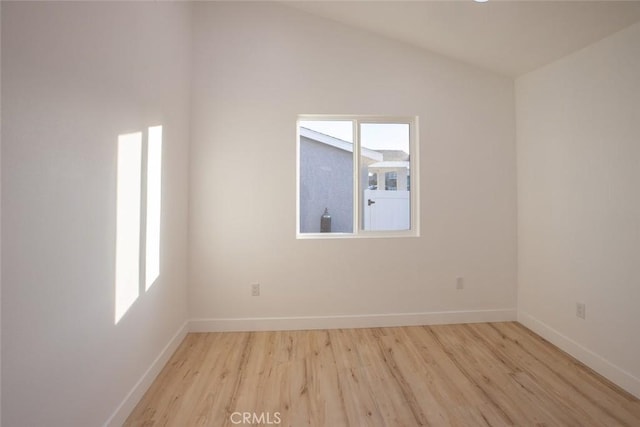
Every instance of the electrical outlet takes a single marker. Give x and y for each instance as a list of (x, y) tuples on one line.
[(581, 310), (459, 283), (255, 289)]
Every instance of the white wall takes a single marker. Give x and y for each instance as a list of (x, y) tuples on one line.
[(578, 126), (256, 67), (0, 225), (74, 76)]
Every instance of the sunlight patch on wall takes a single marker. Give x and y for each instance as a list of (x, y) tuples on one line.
[(128, 221), (154, 191)]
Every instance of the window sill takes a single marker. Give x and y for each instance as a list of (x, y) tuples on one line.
[(360, 235)]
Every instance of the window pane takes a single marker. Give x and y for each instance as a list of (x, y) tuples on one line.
[(385, 176), (326, 176)]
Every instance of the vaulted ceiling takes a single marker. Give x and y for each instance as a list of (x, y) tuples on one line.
[(508, 37)]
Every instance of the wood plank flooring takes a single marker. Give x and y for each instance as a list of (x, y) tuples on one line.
[(486, 374)]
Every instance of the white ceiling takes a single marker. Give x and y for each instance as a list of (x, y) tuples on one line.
[(509, 37)]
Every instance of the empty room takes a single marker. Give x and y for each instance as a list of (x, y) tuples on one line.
[(320, 213)]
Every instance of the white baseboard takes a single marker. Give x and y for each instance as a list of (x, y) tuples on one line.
[(596, 362), (350, 321), (133, 397)]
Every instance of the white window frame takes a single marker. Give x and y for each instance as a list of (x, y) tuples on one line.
[(414, 194)]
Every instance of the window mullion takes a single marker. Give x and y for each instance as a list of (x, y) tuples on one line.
[(356, 177)]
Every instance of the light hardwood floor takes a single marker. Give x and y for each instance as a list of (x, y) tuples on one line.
[(497, 374)]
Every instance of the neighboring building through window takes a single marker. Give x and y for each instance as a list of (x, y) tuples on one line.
[(354, 173)]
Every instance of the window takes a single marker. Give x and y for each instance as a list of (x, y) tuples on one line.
[(391, 181), (354, 175)]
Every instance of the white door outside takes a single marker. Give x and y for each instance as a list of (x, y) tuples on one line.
[(386, 210)]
